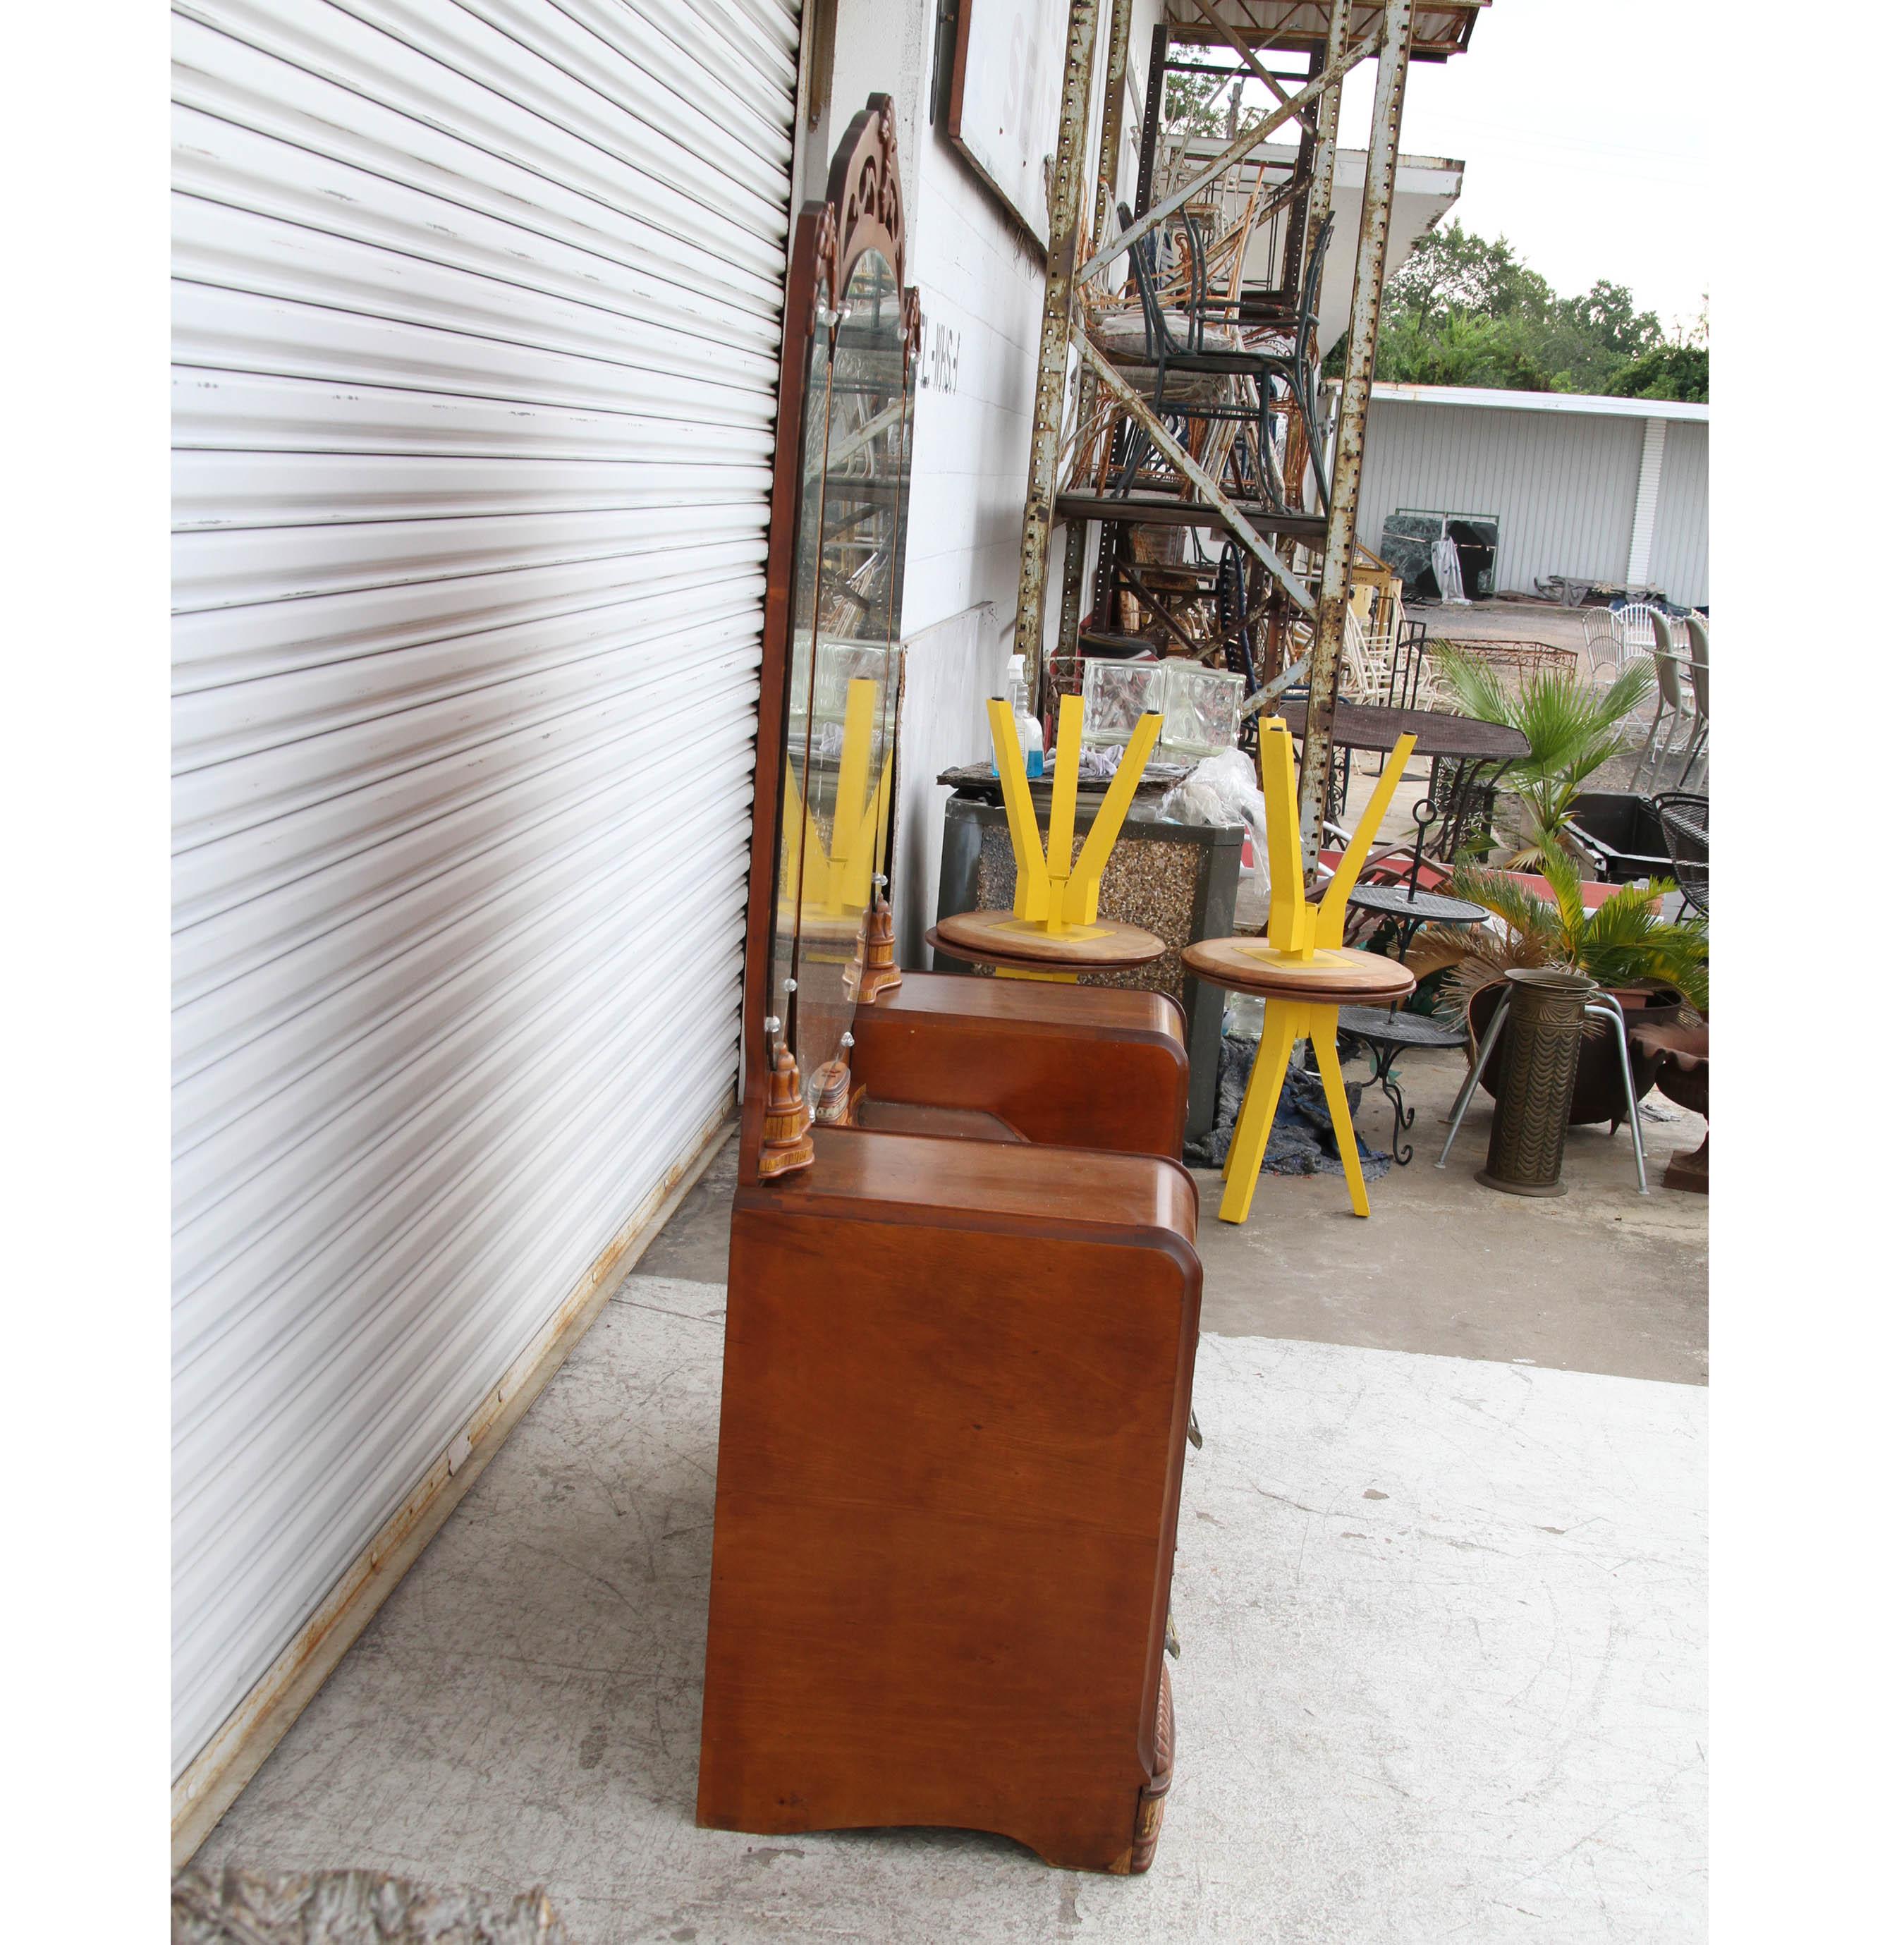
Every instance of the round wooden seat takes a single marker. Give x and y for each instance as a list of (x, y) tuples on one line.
[(1336, 975), (998, 938)]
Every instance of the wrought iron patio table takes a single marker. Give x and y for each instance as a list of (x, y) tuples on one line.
[(1388, 1033), (1475, 752), (1411, 909)]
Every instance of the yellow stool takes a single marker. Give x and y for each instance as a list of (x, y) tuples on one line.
[(1301, 971), (1053, 931)]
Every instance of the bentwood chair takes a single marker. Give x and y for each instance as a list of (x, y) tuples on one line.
[(1600, 626)]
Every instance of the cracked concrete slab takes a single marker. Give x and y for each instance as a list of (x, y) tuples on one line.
[(1442, 1674)]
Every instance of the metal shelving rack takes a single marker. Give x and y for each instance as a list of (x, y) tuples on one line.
[(1301, 562)]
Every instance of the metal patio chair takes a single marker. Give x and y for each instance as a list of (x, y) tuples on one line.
[(1178, 344), (1601, 627), (1683, 816), (1671, 706), (1699, 643)]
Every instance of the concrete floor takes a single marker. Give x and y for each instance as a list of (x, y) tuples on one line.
[(1599, 1279), (1440, 1587), (1442, 1673)]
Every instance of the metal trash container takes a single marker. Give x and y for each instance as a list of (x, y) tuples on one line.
[(1546, 1017)]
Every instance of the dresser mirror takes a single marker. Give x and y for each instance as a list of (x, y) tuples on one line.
[(836, 557)]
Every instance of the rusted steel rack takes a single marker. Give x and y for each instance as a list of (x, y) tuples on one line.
[(1276, 595)]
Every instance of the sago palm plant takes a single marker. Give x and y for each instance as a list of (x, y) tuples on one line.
[(1625, 942), (1573, 726)]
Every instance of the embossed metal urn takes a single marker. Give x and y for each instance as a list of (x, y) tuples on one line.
[(1540, 1054)]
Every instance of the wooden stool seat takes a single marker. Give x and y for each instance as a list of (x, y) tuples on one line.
[(1335, 976), (1004, 939)]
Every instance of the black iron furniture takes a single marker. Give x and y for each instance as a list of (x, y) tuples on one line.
[(1270, 371), (1387, 1034), (1683, 815), (1408, 907)]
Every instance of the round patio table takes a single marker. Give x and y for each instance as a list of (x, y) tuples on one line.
[(1411, 909), (1466, 745)]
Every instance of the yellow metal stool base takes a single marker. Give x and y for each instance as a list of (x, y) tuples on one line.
[(1285, 1024)]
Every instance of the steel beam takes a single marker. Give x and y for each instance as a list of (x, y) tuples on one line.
[(1271, 690), (1110, 128), (1053, 341), (1223, 510), (1110, 141), (1329, 115), (1365, 312), (1153, 113), (1071, 595), (1230, 155)]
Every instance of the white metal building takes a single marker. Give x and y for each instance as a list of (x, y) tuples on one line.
[(1611, 490)]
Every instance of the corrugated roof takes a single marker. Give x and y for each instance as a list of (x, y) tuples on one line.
[(1487, 398)]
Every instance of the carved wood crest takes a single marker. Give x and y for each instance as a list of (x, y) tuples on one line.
[(862, 211)]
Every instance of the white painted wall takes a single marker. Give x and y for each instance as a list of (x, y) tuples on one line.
[(981, 282)]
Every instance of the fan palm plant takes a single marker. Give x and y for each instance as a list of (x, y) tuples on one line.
[(1625, 942), (1573, 726)]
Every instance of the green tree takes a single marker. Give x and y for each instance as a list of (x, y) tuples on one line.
[(1666, 371), (1605, 316), (1461, 310), (1452, 272), (1192, 107)]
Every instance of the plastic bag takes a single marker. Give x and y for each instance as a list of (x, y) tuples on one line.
[(1447, 573), (1223, 789)]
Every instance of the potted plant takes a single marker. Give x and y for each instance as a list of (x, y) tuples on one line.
[(1573, 726), (1650, 965)]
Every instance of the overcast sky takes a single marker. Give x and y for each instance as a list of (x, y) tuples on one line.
[(1583, 127)]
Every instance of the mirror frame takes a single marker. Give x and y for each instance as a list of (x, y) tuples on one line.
[(861, 210)]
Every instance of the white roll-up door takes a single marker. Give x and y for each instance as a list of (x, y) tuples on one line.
[(479, 306)]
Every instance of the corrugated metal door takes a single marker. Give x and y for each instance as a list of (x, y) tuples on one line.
[(478, 312)]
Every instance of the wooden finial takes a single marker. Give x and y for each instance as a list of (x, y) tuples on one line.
[(872, 972), (785, 1142)]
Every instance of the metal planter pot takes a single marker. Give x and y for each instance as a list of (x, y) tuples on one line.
[(1539, 1056)]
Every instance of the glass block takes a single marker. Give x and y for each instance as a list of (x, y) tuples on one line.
[(1202, 708), (838, 665), (1116, 694)]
